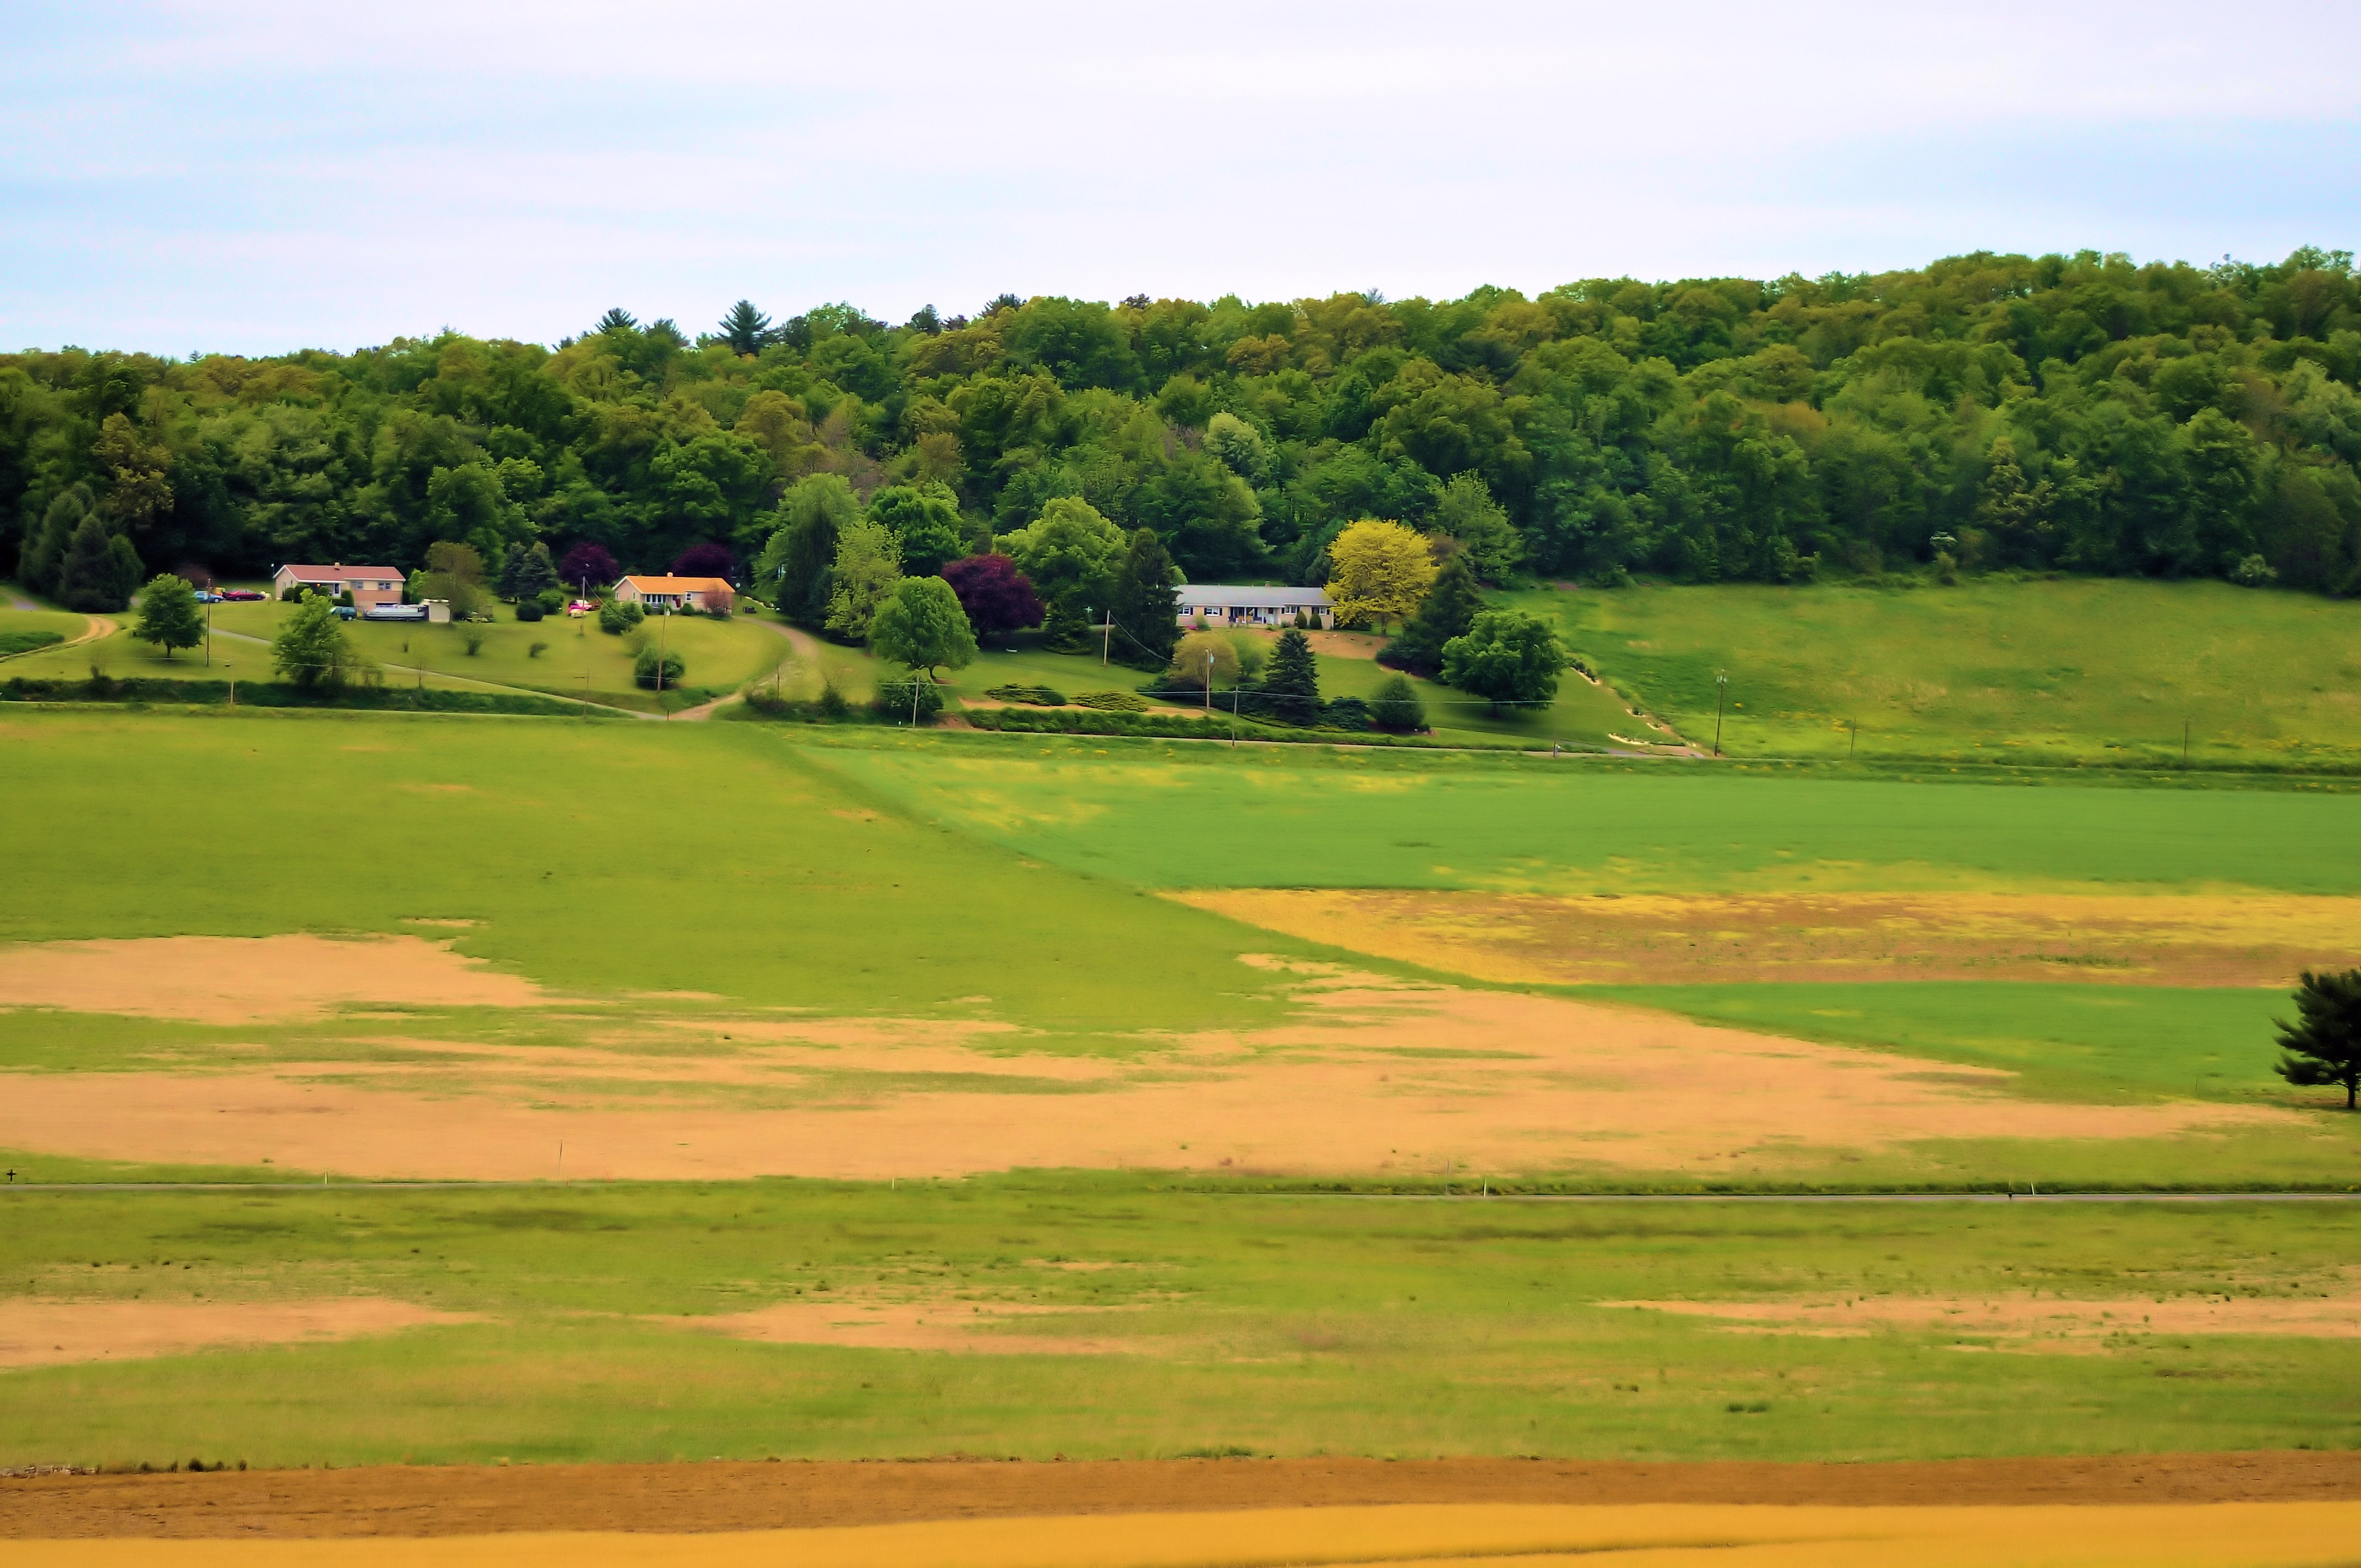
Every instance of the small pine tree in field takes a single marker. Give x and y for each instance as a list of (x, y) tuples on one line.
[(2322, 1047), (1291, 687), (1395, 706)]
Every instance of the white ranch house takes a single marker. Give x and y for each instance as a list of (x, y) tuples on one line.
[(654, 592), (1220, 606)]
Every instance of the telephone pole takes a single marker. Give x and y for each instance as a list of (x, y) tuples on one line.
[(1721, 691)]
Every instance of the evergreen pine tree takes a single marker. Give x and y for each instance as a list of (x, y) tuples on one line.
[(90, 577), (1147, 626), (45, 540), (1450, 609), (527, 574), (1291, 687)]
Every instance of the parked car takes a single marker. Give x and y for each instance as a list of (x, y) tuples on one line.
[(206, 596), (580, 608), (243, 595), (394, 612), (344, 611)]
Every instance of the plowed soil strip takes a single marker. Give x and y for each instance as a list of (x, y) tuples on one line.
[(403, 1500)]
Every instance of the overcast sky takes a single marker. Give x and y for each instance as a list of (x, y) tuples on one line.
[(263, 176)]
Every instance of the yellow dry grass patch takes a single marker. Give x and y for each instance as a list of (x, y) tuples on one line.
[(971, 1326), (1375, 1078), (42, 1333), (2215, 1535), (2035, 1320), (1648, 938), (249, 980)]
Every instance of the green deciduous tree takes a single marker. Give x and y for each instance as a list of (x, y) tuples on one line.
[(921, 624), (926, 518), (1290, 687), (1507, 656), (868, 564), (1140, 598), (312, 650), (169, 614), (796, 564), (2322, 1047), (1451, 607), (1069, 552), (1465, 512), (455, 573)]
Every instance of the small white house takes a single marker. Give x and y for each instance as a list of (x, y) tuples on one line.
[(1219, 605), (676, 592)]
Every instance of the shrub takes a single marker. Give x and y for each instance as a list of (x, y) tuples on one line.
[(1346, 713), (2253, 572), (1395, 706), (537, 650), (895, 699), (1040, 696), (658, 672), (1114, 702), (618, 616), (528, 609), (551, 600), (831, 701), (472, 639)]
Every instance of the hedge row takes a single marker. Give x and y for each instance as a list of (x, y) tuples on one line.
[(1171, 726), (277, 694)]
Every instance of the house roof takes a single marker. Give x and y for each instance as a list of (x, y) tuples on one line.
[(339, 574), (1224, 597), (655, 585)]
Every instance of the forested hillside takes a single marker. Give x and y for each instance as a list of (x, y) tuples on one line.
[(1987, 412)]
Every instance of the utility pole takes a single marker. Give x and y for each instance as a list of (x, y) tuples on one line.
[(914, 699), (1106, 639), (232, 672), (1721, 691), (1208, 692), (209, 637), (660, 655)]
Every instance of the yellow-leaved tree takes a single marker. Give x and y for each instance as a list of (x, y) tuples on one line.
[(1377, 570)]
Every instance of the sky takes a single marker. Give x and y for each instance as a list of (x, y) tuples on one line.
[(262, 176)]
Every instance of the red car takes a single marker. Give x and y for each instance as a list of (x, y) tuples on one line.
[(242, 596)]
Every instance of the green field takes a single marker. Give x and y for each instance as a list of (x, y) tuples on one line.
[(1262, 1325), (1167, 817), (2094, 670), (974, 922)]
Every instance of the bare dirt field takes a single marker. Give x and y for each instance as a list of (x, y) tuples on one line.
[(428, 1501), (249, 980), (2039, 1318), (1413, 1081), (40, 1333), (913, 1325), (1646, 939)]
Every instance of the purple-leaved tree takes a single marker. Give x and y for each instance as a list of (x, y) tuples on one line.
[(706, 559), (588, 565), (996, 595)]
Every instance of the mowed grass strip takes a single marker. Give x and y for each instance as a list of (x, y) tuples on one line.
[(2095, 669), (1269, 1325), (596, 859), (1185, 817)]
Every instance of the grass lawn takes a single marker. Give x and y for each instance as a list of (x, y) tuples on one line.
[(1583, 714), (1165, 815), (2090, 669), (1235, 1323), (22, 631), (576, 659)]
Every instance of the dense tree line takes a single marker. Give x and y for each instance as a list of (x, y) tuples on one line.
[(2074, 413)]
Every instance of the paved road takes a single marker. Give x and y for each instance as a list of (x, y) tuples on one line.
[(597, 1184)]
